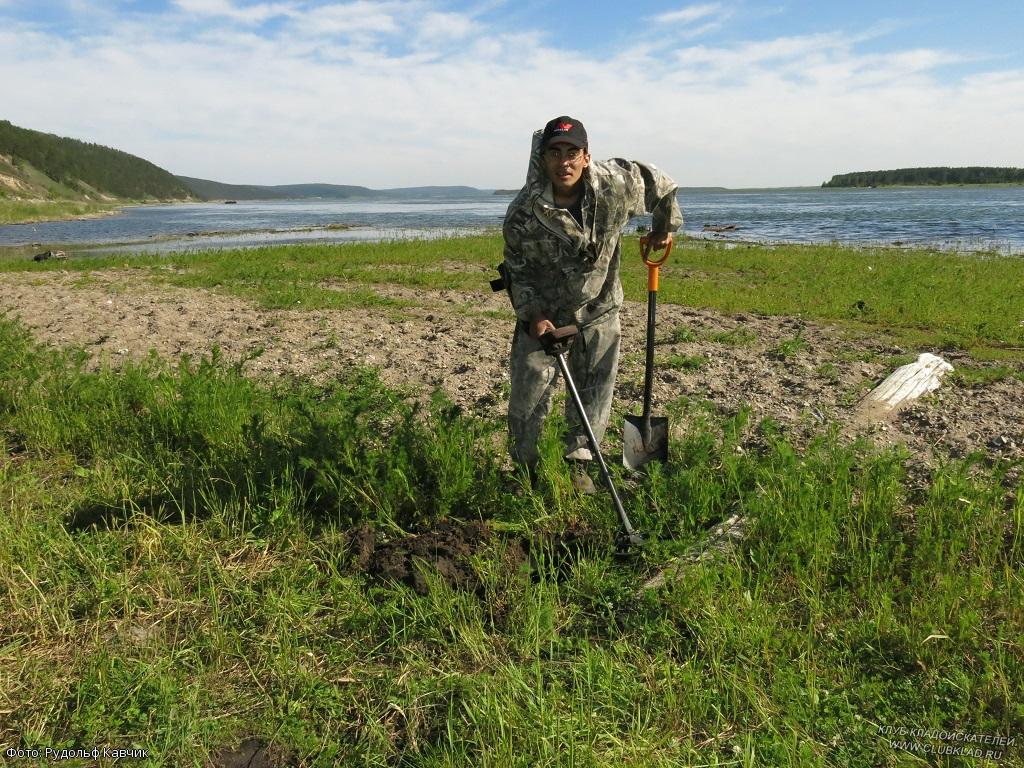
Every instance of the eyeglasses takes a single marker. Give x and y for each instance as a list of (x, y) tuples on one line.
[(556, 155)]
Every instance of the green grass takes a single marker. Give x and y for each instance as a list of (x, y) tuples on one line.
[(970, 376), (681, 334), (176, 575), (929, 297), (682, 362), (912, 298), (177, 571), (738, 337), (791, 347), (27, 211)]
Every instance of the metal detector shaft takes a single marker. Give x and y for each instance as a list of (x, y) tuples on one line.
[(631, 534)]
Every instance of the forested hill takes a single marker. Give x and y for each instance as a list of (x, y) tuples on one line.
[(216, 190), (928, 176), (88, 169)]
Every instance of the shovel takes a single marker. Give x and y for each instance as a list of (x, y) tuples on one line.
[(645, 437), (556, 343)]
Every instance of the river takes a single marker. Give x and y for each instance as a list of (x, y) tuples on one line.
[(952, 218)]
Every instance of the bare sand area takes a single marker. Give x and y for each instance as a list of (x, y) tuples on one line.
[(802, 375)]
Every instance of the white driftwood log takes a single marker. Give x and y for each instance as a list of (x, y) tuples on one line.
[(908, 382), (723, 539)]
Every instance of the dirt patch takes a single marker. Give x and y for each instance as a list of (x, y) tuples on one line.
[(251, 753), (801, 375), (447, 549), (12, 183)]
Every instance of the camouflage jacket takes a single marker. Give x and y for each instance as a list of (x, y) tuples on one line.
[(567, 272)]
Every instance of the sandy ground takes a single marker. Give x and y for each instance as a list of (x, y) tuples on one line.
[(459, 342)]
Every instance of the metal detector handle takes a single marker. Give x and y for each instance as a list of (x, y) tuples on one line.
[(556, 343), (631, 533), (559, 340)]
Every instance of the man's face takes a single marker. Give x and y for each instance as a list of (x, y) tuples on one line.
[(565, 164)]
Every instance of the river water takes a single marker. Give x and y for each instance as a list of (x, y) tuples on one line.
[(952, 218)]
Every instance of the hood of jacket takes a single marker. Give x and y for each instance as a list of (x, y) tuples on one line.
[(537, 196)]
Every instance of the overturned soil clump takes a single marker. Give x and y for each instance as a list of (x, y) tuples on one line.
[(252, 753), (447, 549)]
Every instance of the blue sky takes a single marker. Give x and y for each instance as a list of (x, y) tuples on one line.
[(390, 93)]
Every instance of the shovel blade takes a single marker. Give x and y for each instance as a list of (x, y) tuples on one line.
[(635, 452)]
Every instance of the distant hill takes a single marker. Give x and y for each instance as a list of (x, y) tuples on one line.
[(215, 190), (42, 166), (513, 192), (928, 176), (430, 192)]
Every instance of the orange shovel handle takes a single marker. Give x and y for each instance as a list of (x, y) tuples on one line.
[(652, 264)]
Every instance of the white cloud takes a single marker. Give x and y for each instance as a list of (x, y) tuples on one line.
[(689, 14), (443, 27), (400, 93), (250, 14), (360, 17)]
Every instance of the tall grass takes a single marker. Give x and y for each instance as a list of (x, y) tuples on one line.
[(176, 576)]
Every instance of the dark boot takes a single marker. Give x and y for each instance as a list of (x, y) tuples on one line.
[(581, 479)]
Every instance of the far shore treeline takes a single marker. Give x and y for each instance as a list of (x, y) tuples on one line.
[(37, 166), (928, 176), (74, 169)]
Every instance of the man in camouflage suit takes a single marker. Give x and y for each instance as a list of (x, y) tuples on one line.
[(562, 247)]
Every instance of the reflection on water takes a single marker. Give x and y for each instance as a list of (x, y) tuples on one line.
[(955, 218), (206, 242), (961, 218)]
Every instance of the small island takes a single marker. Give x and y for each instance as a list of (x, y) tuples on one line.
[(935, 176)]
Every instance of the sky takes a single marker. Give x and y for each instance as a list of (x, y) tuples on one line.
[(395, 93)]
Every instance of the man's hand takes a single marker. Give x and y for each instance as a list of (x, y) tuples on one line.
[(540, 325), (659, 240)]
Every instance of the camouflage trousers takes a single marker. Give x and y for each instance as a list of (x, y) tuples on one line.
[(593, 364)]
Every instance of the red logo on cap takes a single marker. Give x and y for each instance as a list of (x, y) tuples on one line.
[(564, 127)]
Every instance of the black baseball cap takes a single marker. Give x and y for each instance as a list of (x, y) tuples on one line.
[(567, 129)]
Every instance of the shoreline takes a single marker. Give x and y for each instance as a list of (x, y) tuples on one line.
[(996, 185), (104, 209), (197, 241), (780, 219)]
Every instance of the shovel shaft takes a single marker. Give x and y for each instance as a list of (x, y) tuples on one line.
[(652, 308), (627, 526), (652, 305)]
